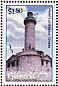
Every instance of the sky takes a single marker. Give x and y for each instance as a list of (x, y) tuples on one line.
[(15, 29)]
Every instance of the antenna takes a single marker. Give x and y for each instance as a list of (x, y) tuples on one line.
[(11, 49)]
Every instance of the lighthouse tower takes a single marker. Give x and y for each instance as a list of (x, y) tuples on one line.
[(30, 64), (29, 23)]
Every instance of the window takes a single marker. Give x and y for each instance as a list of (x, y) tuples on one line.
[(42, 61), (33, 71), (30, 46), (46, 62), (51, 63), (8, 65), (17, 62), (13, 63)]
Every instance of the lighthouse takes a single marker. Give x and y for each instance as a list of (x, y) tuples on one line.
[(30, 64), (29, 23)]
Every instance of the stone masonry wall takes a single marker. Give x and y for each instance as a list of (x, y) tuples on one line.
[(30, 68), (30, 64), (29, 35)]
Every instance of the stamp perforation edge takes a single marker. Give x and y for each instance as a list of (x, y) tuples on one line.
[(26, 1), (56, 42), (56, 33), (1, 39)]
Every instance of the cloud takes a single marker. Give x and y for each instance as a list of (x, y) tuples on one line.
[(42, 24), (16, 29), (17, 22), (15, 33), (15, 47), (13, 21), (42, 17)]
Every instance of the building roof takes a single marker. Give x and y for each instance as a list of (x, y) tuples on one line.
[(30, 53), (29, 18), (13, 57), (40, 52)]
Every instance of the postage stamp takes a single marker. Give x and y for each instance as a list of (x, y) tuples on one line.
[(29, 38)]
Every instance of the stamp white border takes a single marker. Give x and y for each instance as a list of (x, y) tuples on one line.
[(3, 4)]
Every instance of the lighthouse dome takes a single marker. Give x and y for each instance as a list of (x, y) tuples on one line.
[(29, 18)]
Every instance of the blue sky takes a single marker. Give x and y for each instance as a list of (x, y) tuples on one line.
[(38, 7), (15, 29)]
